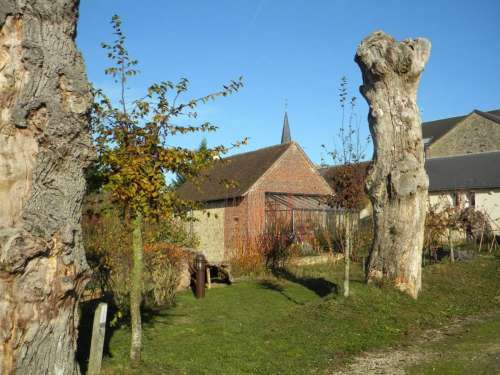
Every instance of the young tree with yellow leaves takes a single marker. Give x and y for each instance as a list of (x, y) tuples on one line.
[(134, 157)]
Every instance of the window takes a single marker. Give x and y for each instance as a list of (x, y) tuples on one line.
[(471, 197), (455, 197)]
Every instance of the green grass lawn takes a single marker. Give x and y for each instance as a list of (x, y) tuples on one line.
[(476, 350), (298, 324)]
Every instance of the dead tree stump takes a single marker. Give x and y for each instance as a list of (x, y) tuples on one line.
[(397, 182)]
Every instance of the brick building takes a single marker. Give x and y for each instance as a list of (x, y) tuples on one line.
[(236, 191)]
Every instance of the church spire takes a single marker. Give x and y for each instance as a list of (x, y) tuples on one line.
[(285, 135)]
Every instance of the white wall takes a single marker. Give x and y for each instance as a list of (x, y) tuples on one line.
[(487, 201)]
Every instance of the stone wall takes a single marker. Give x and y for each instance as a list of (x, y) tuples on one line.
[(472, 135), (209, 229)]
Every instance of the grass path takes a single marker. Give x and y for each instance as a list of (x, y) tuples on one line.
[(472, 349), (469, 345), (299, 324)]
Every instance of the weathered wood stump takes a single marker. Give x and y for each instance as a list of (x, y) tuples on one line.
[(397, 182)]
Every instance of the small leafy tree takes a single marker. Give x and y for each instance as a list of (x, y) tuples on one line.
[(349, 146), (131, 139), (347, 155), (179, 178), (349, 176)]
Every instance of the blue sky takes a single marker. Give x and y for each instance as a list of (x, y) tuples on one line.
[(296, 50)]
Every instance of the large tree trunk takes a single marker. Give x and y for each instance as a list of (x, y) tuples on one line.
[(44, 148), (397, 182)]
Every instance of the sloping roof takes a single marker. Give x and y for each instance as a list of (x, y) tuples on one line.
[(473, 171), (242, 171), (492, 115), (328, 173), (433, 130)]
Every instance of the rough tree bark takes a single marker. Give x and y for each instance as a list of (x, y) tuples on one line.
[(397, 182), (44, 148)]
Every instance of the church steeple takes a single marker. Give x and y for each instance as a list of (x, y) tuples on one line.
[(285, 135)]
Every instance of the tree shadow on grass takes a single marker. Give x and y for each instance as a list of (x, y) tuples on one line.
[(318, 285), (269, 285)]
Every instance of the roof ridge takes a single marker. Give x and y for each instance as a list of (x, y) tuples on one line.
[(492, 112), (268, 168), (446, 118), (284, 145), (488, 115)]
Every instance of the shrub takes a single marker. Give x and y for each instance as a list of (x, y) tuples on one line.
[(436, 228), (247, 257), (163, 262), (445, 223), (276, 243), (475, 223), (253, 255), (107, 240)]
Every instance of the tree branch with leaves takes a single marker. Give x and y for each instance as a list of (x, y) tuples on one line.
[(135, 158)]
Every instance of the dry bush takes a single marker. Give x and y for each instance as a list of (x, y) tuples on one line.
[(277, 242), (247, 256), (107, 241), (436, 228), (476, 224), (270, 250), (445, 224), (163, 262)]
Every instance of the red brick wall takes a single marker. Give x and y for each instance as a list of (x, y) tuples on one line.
[(292, 174), (235, 223)]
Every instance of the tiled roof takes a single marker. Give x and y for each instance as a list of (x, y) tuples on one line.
[(232, 176), (433, 130), (472, 171)]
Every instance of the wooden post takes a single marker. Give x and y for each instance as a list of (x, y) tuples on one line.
[(98, 334), (209, 279)]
